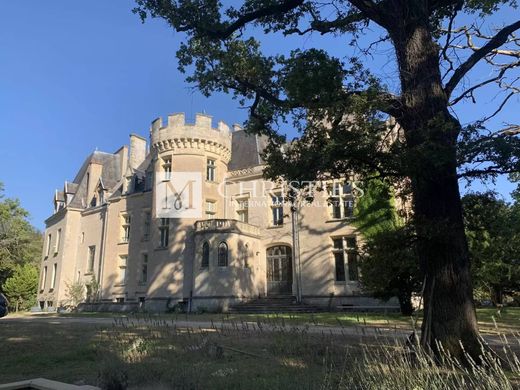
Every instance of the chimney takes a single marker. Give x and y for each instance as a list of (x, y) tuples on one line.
[(137, 151)]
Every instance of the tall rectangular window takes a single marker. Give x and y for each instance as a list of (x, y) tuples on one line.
[(146, 225), (211, 209), (48, 248), (58, 239), (143, 278), (91, 258), (211, 168), (345, 248), (44, 278), (164, 230), (126, 220), (341, 200), (277, 209), (122, 269), (353, 270), (339, 259), (53, 278), (167, 167), (243, 209)]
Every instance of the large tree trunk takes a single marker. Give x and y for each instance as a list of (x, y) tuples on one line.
[(431, 135), (405, 303)]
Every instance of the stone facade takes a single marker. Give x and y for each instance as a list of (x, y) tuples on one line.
[(105, 232)]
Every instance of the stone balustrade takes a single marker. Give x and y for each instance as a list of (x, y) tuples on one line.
[(226, 225)]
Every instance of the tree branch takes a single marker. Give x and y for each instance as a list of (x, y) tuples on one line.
[(241, 21), (327, 26), (470, 91), (371, 10), (495, 42)]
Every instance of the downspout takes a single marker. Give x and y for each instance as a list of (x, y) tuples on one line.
[(102, 251)]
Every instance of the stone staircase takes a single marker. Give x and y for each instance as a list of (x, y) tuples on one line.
[(273, 304)]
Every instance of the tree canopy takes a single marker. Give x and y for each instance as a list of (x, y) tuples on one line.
[(352, 121), (21, 287), (493, 231), (20, 243), (390, 264)]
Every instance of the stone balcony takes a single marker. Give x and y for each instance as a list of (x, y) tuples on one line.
[(226, 225)]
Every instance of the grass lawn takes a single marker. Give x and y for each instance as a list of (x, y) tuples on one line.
[(151, 352), (155, 357), (490, 319)]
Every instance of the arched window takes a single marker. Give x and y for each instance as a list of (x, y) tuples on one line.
[(222, 254), (205, 255)]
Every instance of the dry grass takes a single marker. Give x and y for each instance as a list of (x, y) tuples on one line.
[(506, 319), (149, 352)]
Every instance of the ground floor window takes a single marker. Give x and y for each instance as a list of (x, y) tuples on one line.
[(143, 278), (345, 248), (222, 254), (205, 256)]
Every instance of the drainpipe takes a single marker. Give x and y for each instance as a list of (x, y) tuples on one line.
[(102, 251), (296, 251)]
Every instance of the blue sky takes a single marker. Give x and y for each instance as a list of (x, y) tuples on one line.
[(76, 76)]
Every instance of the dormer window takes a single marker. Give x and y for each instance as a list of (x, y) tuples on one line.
[(129, 184), (101, 196), (59, 205)]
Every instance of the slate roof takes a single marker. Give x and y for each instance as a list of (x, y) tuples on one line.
[(245, 153), (245, 150), (110, 175)]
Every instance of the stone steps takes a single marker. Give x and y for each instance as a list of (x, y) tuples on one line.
[(268, 305)]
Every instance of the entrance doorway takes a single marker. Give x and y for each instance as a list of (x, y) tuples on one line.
[(279, 270)]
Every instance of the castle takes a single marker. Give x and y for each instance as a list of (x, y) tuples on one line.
[(107, 232)]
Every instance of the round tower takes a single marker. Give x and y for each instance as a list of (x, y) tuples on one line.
[(197, 147)]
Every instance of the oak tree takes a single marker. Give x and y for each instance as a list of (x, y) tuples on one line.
[(345, 114)]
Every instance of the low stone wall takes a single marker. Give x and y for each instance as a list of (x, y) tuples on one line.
[(116, 307), (355, 303), (223, 304)]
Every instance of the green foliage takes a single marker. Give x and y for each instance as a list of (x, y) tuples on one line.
[(75, 293), (375, 210), (93, 290), (222, 52), (20, 243), (493, 231), (389, 266), (21, 286)]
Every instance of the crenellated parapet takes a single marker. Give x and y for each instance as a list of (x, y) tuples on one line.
[(193, 138)]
